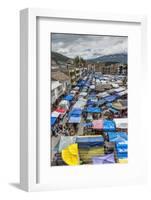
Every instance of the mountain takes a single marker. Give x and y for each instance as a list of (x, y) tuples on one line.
[(59, 58), (114, 58)]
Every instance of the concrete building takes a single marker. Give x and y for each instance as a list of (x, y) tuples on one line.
[(62, 78), (56, 91), (112, 69)]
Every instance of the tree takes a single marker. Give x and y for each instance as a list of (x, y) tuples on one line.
[(79, 61)]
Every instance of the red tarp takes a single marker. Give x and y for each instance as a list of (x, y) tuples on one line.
[(60, 110)]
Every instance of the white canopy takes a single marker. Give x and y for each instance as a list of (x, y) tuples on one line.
[(92, 86), (121, 123), (55, 114), (83, 94), (102, 94), (115, 85), (80, 103), (120, 89), (122, 93), (64, 104)]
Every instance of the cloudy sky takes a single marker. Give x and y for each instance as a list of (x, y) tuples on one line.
[(87, 46)]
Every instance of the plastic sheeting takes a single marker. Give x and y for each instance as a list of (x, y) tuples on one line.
[(70, 155), (111, 98), (117, 136), (101, 102), (113, 110), (121, 123), (53, 120), (66, 141), (55, 114), (87, 124), (93, 110), (73, 119), (109, 125), (68, 97), (60, 110), (98, 124), (106, 159), (75, 112), (90, 140)]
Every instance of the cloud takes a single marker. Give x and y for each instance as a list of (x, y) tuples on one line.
[(87, 46)]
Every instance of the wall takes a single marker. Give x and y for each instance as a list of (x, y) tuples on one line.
[(9, 97)]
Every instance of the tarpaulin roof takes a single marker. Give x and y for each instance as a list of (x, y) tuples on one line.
[(70, 155), (110, 98), (101, 102), (93, 109), (122, 151), (98, 124), (64, 103), (89, 139), (66, 141), (121, 123), (74, 119), (92, 86), (83, 93), (73, 92), (109, 105), (92, 98), (60, 110), (53, 120), (122, 93), (87, 124), (106, 159), (120, 89), (76, 88), (113, 110), (117, 136), (123, 144), (55, 114), (75, 112), (102, 94), (68, 97), (119, 106), (80, 103), (108, 125)]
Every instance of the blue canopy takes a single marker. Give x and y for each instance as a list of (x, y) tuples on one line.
[(75, 112), (74, 119), (93, 109), (101, 102), (121, 151), (88, 142), (87, 124), (113, 110), (117, 136), (110, 98), (91, 102), (109, 105), (81, 83), (53, 120), (109, 125), (68, 97)]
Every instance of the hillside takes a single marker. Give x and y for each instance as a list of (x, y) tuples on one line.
[(114, 58), (57, 57)]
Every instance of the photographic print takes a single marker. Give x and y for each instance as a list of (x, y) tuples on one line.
[(89, 104)]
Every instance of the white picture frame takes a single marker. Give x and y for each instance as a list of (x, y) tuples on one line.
[(29, 151)]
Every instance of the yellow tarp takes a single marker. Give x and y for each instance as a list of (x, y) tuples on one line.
[(70, 155), (123, 160)]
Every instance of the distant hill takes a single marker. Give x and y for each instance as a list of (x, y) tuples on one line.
[(59, 58), (114, 58)]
